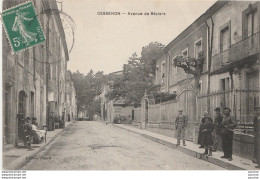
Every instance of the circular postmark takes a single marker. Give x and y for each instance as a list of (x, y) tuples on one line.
[(67, 22)]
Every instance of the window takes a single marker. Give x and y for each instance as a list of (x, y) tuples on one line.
[(200, 87), (174, 68), (224, 39), (50, 71), (185, 53), (250, 21), (226, 97), (224, 84), (157, 71), (197, 48), (163, 72), (32, 104)]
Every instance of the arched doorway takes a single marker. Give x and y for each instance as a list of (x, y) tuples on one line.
[(187, 101), (21, 112)]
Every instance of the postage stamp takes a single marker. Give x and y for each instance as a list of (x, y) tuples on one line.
[(22, 26)]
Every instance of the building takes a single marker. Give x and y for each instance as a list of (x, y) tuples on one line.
[(229, 35), (235, 58), (110, 109), (71, 100), (34, 79), (231, 61)]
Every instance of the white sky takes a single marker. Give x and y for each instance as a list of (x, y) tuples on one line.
[(104, 43)]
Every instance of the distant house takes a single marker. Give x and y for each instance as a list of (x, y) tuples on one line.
[(110, 109)]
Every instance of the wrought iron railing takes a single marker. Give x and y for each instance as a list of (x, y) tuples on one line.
[(238, 51), (244, 104)]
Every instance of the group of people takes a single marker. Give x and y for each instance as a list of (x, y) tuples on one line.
[(211, 131), (32, 129)]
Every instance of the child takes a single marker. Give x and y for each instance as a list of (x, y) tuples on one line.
[(207, 138)]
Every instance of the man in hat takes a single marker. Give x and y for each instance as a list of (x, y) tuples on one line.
[(180, 125), (217, 124), (228, 125)]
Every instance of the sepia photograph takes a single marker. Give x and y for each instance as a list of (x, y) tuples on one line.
[(130, 85)]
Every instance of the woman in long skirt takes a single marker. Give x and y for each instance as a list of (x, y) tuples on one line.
[(207, 138)]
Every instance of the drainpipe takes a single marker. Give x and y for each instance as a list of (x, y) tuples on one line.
[(210, 41), (34, 79), (169, 68)]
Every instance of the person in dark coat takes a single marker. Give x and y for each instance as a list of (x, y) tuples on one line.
[(207, 137), (228, 125), (27, 128), (203, 120), (217, 124)]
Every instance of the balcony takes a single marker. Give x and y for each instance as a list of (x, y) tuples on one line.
[(237, 52)]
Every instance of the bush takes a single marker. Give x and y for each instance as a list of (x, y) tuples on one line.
[(163, 97)]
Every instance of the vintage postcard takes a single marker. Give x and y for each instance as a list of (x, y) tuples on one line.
[(130, 85)]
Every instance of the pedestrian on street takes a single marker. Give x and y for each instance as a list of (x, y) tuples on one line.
[(228, 125), (207, 137), (217, 124), (180, 125), (27, 127), (203, 120)]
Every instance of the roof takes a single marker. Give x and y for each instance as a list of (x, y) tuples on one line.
[(116, 73)]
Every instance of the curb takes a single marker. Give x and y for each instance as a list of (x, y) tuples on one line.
[(21, 161), (190, 152)]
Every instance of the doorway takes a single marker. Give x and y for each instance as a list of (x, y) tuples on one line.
[(21, 112)]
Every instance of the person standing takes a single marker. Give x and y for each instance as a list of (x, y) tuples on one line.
[(203, 120), (217, 124), (180, 125), (207, 138), (229, 123), (27, 127)]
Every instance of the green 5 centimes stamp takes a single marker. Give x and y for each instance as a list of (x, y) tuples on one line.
[(22, 26)]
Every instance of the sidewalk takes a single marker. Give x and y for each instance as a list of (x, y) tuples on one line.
[(238, 163), (15, 158)]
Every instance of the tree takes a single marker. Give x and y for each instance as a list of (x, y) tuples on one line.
[(192, 66), (138, 75), (94, 108), (88, 86)]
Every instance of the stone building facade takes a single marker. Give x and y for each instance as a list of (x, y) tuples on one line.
[(34, 79), (71, 99), (229, 35)]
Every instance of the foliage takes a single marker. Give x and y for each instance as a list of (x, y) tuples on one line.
[(138, 75), (87, 86), (163, 97), (94, 108), (192, 66)]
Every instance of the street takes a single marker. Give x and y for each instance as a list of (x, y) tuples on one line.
[(90, 145)]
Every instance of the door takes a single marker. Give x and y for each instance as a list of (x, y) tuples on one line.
[(21, 113), (7, 115), (252, 94)]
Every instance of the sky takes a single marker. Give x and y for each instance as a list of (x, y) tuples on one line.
[(105, 42)]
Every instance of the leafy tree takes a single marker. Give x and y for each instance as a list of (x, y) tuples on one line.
[(94, 108), (192, 66), (87, 86), (138, 75)]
